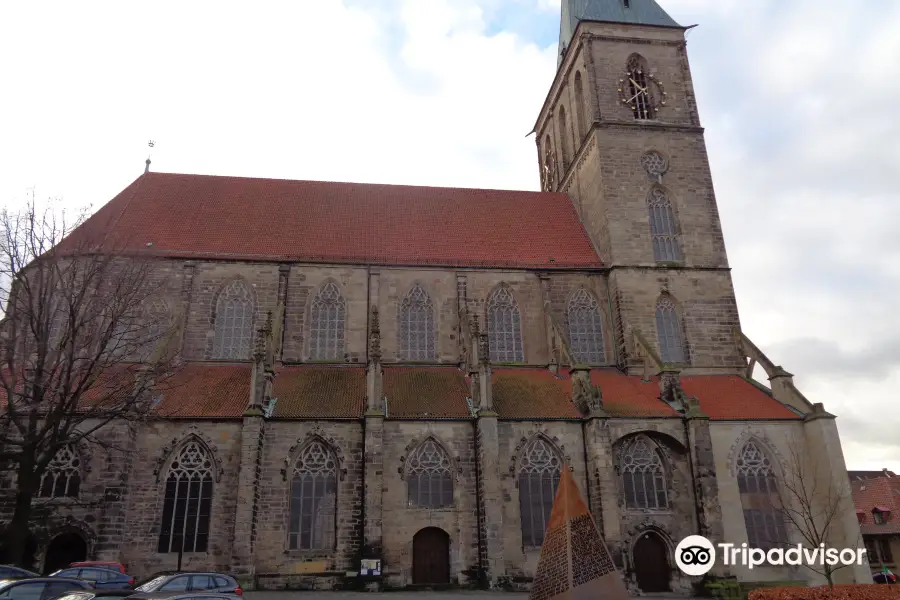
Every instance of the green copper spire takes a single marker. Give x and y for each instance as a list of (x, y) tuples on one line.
[(638, 12)]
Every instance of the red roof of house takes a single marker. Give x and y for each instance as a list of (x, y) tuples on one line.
[(882, 493), (202, 216)]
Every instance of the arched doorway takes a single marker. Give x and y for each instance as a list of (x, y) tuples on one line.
[(63, 550), (651, 563), (431, 556)]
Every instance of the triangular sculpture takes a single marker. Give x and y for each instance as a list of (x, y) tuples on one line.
[(575, 563)]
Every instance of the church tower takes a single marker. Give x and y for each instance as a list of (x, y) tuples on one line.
[(620, 134)]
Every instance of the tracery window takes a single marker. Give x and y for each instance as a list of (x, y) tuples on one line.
[(313, 499), (655, 164), (585, 328), (429, 476), (644, 476), (417, 331), (62, 477), (538, 478), (663, 229), (668, 330), (504, 327), (188, 500), (760, 500), (234, 322), (326, 324)]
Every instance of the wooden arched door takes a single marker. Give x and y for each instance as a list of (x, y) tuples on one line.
[(651, 563), (431, 556)]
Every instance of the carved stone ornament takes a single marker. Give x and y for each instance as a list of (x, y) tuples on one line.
[(538, 431), (456, 462), (316, 433), (193, 432), (587, 396)]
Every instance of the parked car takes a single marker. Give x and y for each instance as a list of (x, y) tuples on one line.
[(40, 588), (201, 581), (102, 579), (207, 595), (103, 565), (95, 595), (11, 572)]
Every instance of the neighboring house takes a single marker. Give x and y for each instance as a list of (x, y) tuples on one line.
[(877, 502), (401, 373), (859, 475)]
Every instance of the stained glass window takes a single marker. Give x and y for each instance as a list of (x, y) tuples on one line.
[(313, 499), (188, 501), (504, 327), (234, 322), (585, 328), (643, 476), (538, 478), (416, 329), (760, 500), (326, 324)]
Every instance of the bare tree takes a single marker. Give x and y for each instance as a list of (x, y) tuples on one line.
[(79, 345), (812, 500)]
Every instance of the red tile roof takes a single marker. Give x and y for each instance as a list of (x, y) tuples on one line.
[(426, 393), (882, 493), (320, 392), (205, 391), (202, 216), (531, 394), (524, 393)]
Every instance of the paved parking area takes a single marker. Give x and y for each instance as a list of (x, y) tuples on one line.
[(411, 595)]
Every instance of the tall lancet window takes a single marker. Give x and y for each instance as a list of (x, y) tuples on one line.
[(188, 501), (663, 229), (313, 499), (669, 332), (538, 478), (416, 329), (585, 328), (504, 327), (429, 476), (760, 500), (564, 139), (644, 476), (580, 125), (326, 324), (234, 322)]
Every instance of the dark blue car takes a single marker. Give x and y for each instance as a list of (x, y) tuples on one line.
[(43, 588), (11, 572), (101, 579)]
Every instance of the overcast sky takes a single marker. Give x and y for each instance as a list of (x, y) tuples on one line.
[(798, 100)]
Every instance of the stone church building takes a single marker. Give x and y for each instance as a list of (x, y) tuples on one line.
[(396, 373)]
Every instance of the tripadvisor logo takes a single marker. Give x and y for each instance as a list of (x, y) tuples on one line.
[(696, 555)]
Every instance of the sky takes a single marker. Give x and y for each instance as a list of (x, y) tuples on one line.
[(796, 98)]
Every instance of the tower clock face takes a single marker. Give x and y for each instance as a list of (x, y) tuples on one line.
[(642, 93)]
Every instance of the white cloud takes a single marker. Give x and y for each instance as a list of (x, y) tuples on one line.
[(796, 98)]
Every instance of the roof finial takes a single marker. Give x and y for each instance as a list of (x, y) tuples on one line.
[(151, 143)]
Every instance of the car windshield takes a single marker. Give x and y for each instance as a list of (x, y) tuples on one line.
[(4, 583), (151, 585)]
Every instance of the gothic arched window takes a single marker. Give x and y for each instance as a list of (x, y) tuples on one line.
[(760, 500), (313, 499), (429, 476), (234, 322), (644, 476), (504, 327), (416, 329), (663, 229), (580, 125), (585, 328), (156, 319), (668, 330), (326, 324), (188, 500), (564, 138), (538, 479), (62, 477), (638, 89)]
